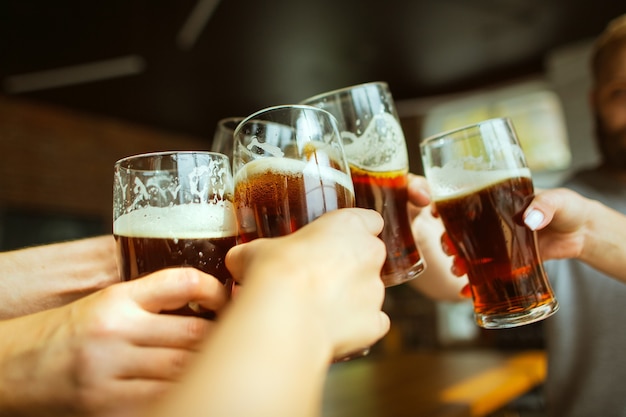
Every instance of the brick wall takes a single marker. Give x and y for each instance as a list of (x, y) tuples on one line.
[(58, 160)]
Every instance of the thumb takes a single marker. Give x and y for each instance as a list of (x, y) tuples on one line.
[(172, 288)]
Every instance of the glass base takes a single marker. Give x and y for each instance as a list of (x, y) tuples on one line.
[(400, 277), (508, 320)]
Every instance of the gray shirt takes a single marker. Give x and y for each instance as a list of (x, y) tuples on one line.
[(586, 338)]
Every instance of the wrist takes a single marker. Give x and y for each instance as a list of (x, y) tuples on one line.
[(288, 302)]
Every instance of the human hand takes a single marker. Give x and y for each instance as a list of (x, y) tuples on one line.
[(328, 271), (571, 226), (108, 353), (437, 281), (560, 215), (418, 193)]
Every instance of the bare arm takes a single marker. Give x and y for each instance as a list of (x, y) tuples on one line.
[(47, 276)]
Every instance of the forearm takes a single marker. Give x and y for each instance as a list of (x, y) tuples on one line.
[(32, 377), (605, 240), (265, 358), (43, 277)]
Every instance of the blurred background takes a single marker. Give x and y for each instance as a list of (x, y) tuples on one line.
[(83, 84), (86, 83)]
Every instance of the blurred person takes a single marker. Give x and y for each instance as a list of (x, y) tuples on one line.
[(584, 340), (308, 297)]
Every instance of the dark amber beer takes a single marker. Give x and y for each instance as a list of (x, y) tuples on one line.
[(376, 150), (155, 238), (501, 254), (174, 209), (481, 185), (290, 168), (277, 196), (386, 192)]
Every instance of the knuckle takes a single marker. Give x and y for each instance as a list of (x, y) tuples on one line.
[(196, 329), (177, 363), (84, 373)]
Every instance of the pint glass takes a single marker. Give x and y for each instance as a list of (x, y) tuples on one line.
[(290, 168), (480, 185), (174, 209), (223, 135), (376, 150)]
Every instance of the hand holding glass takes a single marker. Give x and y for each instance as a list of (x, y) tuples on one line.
[(290, 168), (174, 209), (480, 184)]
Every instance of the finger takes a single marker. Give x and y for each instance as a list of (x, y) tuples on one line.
[(173, 288), (433, 210), (166, 364), (541, 210), (466, 291), (172, 331), (238, 258), (447, 245), (459, 266), (418, 190), (371, 219), (131, 396), (534, 218)]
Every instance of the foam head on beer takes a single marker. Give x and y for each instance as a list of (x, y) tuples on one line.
[(452, 181), (185, 221), (380, 147)]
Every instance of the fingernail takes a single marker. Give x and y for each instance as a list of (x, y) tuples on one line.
[(533, 219)]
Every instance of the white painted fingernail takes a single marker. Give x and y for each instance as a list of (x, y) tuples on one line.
[(533, 219)]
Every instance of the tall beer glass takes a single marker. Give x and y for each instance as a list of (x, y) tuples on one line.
[(480, 184), (174, 209), (290, 168), (376, 150)]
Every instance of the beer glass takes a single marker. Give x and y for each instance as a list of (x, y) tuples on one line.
[(174, 209), (289, 168), (223, 135), (480, 185), (376, 150)]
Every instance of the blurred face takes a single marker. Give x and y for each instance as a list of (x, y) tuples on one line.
[(609, 102)]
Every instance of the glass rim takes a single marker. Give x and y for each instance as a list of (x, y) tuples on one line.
[(440, 136), (256, 114), (235, 119), (342, 90), (147, 155)]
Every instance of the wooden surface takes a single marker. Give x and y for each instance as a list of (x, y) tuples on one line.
[(431, 383)]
